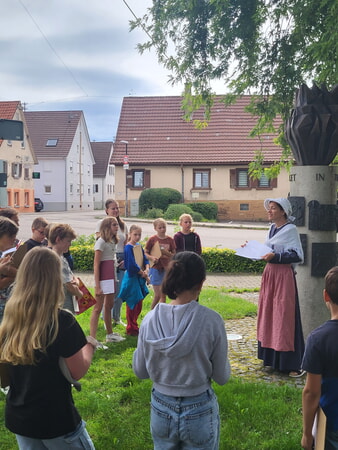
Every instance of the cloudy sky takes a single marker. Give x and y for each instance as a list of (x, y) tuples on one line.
[(77, 54)]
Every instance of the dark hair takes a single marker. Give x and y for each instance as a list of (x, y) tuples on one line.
[(118, 218), (185, 271), (9, 213), (8, 227), (331, 284)]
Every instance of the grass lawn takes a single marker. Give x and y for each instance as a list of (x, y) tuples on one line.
[(115, 404)]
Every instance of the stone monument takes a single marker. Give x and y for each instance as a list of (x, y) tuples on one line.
[(312, 132)]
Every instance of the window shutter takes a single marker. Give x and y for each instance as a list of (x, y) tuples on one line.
[(129, 180), (273, 182), (233, 176), (147, 178)]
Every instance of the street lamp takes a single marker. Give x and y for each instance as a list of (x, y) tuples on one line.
[(126, 167)]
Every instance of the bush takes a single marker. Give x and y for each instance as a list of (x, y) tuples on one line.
[(175, 211), (197, 217), (216, 260), (225, 260), (158, 198), (153, 213), (83, 256), (209, 210)]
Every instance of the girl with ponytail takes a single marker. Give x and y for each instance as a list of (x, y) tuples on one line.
[(182, 346)]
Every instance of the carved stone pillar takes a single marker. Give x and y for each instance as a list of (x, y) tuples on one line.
[(313, 199)]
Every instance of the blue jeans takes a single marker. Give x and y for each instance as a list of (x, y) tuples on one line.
[(116, 309), (185, 423), (331, 440), (78, 439)]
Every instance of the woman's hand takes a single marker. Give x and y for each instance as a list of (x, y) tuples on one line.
[(268, 257)]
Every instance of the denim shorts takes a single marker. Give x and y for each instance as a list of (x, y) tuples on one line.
[(156, 276), (185, 422), (76, 440)]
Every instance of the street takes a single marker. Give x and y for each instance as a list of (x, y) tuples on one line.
[(215, 235)]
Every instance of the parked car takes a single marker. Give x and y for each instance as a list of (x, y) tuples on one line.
[(38, 204)]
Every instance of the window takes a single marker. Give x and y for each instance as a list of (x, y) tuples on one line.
[(244, 207), (26, 174), (111, 170), (240, 179), (138, 178), (16, 199), (16, 170), (201, 179), (70, 166), (48, 189), (51, 142), (264, 181), (71, 188), (95, 188)]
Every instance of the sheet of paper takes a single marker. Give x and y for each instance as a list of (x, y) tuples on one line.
[(253, 250), (107, 286)]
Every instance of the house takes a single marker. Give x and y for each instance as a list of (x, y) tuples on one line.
[(16, 164), (65, 159), (155, 147), (103, 173)]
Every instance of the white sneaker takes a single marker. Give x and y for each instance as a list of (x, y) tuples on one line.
[(119, 322), (114, 337), (101, 346)]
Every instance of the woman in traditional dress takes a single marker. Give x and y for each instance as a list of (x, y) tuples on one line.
[(279, 328)]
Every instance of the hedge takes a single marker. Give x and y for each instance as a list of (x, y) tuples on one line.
[(209, 210), (159, 198), (216, 260)]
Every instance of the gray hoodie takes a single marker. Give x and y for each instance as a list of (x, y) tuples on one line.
[(181, 348)]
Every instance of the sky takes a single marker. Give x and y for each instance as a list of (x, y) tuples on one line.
[(77, 55)]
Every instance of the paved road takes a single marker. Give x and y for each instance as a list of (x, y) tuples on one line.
[(215, 235)]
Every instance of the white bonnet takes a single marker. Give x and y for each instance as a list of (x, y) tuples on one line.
[(284, 203)]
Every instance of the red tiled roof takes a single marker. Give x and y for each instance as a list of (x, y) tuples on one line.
[(8, 109), (60, 125), (101, 152), (157, 134)]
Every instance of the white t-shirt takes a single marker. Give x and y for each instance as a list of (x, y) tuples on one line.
[(121, 235), (107, 248)]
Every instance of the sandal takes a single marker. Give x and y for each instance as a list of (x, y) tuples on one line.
[(297, 373)]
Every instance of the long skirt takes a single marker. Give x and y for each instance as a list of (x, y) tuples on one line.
[(279, 327)]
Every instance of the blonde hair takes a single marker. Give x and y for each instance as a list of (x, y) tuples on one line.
[(186, 216), (30, 320), (134, 228), (60, 230), (158, 221), (105, 230)]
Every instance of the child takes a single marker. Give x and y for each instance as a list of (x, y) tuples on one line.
[(181, 347), (113, 210), (60, 237), (35, 335), (8, 232), (133, 288), (38, 233), (160, 262), (187, 238), (105, 279), (321, 363)]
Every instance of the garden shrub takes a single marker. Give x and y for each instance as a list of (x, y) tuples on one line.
[(225, 260), (158, 198), (197, 217), (83, 256), (153, 213), (216, 260), (175, 211), (209, 210)]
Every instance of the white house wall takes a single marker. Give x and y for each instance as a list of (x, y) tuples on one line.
[(51, 185)]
